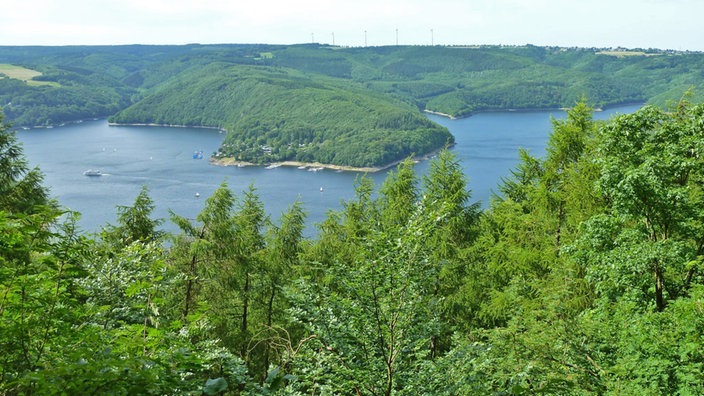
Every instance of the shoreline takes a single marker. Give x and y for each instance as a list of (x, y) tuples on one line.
[(440, 114), (118, 124), (221, 129), (530, 110), (229, 161)]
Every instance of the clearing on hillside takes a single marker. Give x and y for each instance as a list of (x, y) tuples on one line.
[(623, 54), (23, 74)]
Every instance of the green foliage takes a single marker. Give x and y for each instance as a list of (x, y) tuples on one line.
[(380, 317), (279, 115), (652, 171), (374, 311), (584, 276), (583, 293), (21, 188), (40, 300), (233, 265), (80, 318), (134, 222)]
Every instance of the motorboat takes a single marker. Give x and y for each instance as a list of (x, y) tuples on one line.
[(93, 172)]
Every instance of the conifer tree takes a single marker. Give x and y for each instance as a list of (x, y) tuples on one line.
[(21, 189), (135, 222)]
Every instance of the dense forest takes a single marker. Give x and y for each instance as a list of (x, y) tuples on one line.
[(584, 276), (274, 115), (318, 103)]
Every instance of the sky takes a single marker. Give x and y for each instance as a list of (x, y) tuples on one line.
[(664, 24)]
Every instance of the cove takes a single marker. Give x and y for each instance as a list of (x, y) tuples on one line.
[(162, 159)]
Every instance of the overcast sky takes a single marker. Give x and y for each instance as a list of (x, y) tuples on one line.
[(665, 24)]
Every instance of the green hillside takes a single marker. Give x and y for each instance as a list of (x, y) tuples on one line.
[(274, 115), (461, 80), (335, 105)]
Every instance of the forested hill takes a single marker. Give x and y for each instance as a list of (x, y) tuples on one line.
[(275, 114), (321, 103)]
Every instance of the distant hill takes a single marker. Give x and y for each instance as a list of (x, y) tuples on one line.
[(318, 103)]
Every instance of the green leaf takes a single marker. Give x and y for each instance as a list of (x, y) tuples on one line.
[(214, 386)]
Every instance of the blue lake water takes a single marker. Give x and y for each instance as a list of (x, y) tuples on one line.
[(162, 159)]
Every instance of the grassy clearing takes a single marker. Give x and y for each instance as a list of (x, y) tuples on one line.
[(23, 74)]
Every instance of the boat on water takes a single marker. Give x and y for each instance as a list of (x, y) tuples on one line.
[(93, 172)]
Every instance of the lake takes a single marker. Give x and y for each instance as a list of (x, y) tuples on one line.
[(162, 159)]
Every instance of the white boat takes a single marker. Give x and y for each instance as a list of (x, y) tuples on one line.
[(93, 172)]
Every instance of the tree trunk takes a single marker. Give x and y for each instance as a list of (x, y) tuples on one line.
[(269, 319), (389, 379), (560, 221), (245, 307), (690, 273), (190, 284), (189, 288), (659, 286)]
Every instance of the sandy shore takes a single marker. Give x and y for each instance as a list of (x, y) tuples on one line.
[(439, 113), (228, 161)]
